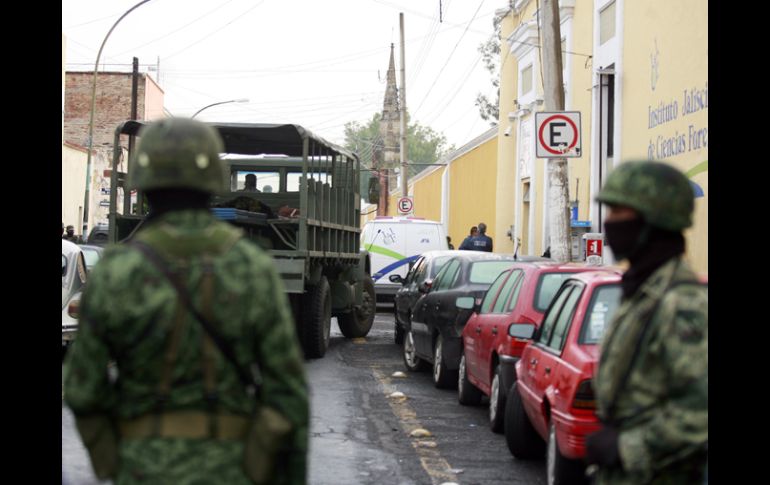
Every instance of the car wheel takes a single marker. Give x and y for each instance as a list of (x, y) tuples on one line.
[(496, 402), (398, 334), (558, 469), (521, 438), (467, 393), (411, 361), (443, 378)]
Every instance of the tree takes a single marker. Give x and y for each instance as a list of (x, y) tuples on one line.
[(424, 145), (489, 110)]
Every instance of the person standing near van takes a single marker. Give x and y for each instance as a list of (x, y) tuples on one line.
[(466, 244), (481, 242)]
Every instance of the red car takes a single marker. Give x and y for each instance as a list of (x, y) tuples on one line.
[(519, 295), (552, 401)]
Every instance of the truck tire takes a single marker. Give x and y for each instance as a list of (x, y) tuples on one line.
[(359, 321), (317, 317)]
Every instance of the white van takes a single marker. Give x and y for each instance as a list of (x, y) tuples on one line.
[(394, 243)]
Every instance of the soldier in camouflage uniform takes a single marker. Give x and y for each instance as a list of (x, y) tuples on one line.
[(70, 236), (177, 404), (652, 380)]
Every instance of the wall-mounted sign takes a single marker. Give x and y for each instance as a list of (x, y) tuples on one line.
[(558, 134)]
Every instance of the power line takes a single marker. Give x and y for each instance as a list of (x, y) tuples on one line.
[(174, 31), (240, 16), (438, 76)]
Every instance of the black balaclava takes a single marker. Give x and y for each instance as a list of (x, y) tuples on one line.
[(163, 201), (646, 247)]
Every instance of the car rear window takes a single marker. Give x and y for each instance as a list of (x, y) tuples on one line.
[(547, 286), (485, 272), (604, 303)]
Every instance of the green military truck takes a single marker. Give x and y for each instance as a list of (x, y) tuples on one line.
[(304, 210)]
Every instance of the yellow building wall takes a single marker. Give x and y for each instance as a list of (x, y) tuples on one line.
[(665, 97), (580, 96), (427, 195), (506, 188), (472, 195)]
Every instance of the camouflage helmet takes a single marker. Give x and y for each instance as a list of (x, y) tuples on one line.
[(178, 153), (658, 191)]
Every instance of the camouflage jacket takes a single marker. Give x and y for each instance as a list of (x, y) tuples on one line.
[(662, 409), (127, 313), (74, 238)]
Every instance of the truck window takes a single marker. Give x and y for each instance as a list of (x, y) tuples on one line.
[(292, 180), (266, 181)]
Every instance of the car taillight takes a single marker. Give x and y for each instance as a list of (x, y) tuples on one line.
[(74, 308), (584, 396)]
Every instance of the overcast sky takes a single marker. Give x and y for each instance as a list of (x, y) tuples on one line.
[(317, 63)]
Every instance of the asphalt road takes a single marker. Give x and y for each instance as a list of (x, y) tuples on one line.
[(360, 435)]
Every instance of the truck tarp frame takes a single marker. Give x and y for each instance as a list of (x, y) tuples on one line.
[(257, 138)]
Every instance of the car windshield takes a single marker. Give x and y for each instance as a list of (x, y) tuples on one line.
[(438, 263), (485, 272), (547, 287), (601, 310)]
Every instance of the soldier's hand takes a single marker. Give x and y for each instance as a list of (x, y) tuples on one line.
[(602, 447)]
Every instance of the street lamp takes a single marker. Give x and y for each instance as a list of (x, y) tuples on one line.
[(91, 120), (242, 100)]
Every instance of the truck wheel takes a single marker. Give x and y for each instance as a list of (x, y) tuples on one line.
[(359, 321), (317, 319)]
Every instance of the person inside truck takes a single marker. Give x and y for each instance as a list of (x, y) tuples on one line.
[(251, 183)]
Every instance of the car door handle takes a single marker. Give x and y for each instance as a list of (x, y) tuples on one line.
[(547, 370), (494, 330), (533, 362)]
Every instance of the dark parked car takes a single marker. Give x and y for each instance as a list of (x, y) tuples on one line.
[(519, 295), (433, 332), (426, 267)]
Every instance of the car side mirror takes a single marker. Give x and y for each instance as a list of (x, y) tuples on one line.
[(523, 331), (425, 286), (374, 190), (467, 303), (396, 278)]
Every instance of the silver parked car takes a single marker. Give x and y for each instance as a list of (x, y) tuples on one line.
[(73, 277)]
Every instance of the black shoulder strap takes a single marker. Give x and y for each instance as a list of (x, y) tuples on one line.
[(248, 379)]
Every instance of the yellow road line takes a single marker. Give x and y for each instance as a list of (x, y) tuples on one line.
[(432, 462)]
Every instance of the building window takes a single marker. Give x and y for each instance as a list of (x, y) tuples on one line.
[(526, 80), (607, 23)]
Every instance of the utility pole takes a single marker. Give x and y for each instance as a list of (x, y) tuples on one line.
[(402, 108), (558, 174)]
